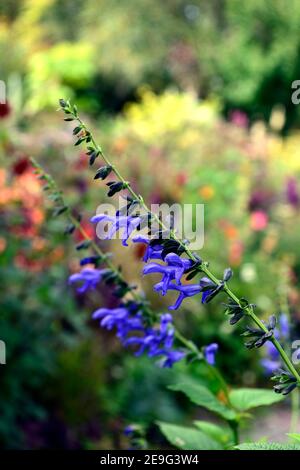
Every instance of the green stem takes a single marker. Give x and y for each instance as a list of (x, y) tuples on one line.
[(187, 343), (214, 371), (235, 430)]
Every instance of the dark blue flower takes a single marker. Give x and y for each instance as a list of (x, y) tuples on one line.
[(184, 291), (210, 353), (207, 288), (120, 318), (88, 278), (171, 357), (127, 223), (284, 326), (153, 251), (89, 260), (174, 270), (271, 362), (155, 341), (269, 365), (129, 430)]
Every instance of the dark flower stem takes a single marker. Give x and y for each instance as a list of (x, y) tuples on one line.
[(203, 267)]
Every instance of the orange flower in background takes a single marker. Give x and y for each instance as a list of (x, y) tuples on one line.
[(2, 177), (22, 261), (38, 244), (229, 230), (236, 251), (270, 242), (120, 145), (36, 216), (206, 192), (3, 244), (258, 220), (55, 255), (82, 161)]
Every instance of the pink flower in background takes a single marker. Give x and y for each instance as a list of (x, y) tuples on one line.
[(181, 178), (258, 220), (239, 118)]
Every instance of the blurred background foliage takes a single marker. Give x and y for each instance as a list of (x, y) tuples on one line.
[(193, 100)]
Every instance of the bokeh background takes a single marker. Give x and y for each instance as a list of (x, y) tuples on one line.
[(193, 101)]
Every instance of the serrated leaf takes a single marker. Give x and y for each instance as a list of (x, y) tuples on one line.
[(202, 396), (187, 438), (266, 446), (219, 433), (246, 398)]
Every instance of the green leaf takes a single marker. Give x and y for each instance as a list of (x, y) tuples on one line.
[(220, 433), (266, 446), (202, 396), (246, 398), (294, 436), (188, 438)]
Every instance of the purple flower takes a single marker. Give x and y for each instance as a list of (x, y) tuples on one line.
[(153, 251), (88, 277), (111, 317), (131, 330), (284, 326), (89, 260), (207, 288), (120, 318), (210, 353), (271, 362), (129, 430), (184, 292), (154, 340), (127, 223), (271, 351), (171, 358), (269, 365), (174, 270), (292, 192)]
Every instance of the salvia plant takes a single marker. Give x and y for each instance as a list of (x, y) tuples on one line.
[(138, 327)]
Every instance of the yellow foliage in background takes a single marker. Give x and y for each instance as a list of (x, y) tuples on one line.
[(157, 115)]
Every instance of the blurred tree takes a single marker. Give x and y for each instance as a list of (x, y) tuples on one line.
[(248, 54)]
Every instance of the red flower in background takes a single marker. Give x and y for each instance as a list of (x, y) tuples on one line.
[(89, 230), (5, 110), (21, 165), (181, 178)]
